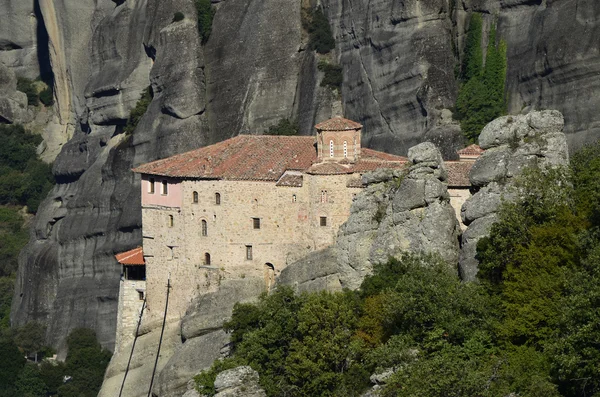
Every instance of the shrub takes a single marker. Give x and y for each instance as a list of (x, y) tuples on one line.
[(283, 127), (47, 96), (178, 16), (333, 75), (138, 111), (25, 85), (321, 39), (206, 13)]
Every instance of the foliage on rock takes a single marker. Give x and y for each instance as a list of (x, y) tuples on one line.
[(206, 13), (481, 96), (320, 36), (333, 77), (283, 127), (138, 111)]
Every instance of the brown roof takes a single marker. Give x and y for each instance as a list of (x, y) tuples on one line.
[(290, 180), (263, 158), (338, 124), (131, 257), (458, 173), (244, 157), (471, 150)]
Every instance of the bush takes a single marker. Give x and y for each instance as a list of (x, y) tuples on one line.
[(283, 127), (178, 16), (138, 111), (333, 75), (47, 96), (25, 85), (206, 13), (321, 38)]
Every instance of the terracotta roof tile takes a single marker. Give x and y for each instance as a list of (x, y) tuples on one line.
[(458, 173), (338, 124), (471, 150), (290, 180), (244, 157), (131, 257)]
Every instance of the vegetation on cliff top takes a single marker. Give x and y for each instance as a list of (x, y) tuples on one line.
[(206, 13), (529, 326)]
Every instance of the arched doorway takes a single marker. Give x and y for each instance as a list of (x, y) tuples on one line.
[(269, 274)]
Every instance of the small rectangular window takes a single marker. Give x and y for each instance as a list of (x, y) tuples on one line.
[(165, 188), (323, 221), (151, 186), (249, 252), (140, 295), (256, 223)]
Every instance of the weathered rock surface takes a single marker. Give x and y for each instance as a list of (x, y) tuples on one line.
[(398, 67), (395, 214), (513, 143), (13, 104), (238, 382), (18, 37), (193, 344)]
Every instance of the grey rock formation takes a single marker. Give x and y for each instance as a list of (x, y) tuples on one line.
[(18, 37), (395, 214), (552, 59), (238, 382), (13, 104), (398, 67), (512, 143), (197, 340)]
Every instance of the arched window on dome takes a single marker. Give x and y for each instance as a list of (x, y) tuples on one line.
[(345, 149), (330, 148)]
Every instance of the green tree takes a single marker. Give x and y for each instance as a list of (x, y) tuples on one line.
[(30, 382), (26, 86), (11, 364), (481, 97), (31, 337), (473, 55), (321, 38)]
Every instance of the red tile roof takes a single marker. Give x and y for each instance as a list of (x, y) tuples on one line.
[(263, 158), (244, 157), (338, 124), (131, 257), (290, 180), (471, 150), (458, 173)]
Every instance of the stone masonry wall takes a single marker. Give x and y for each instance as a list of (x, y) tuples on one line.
[(129, 309), (288, 231)]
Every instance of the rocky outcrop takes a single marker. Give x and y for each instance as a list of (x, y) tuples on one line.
[(399, 211), (512, 143), (192, 344), (13, 104), (19, 37), (238, 382)]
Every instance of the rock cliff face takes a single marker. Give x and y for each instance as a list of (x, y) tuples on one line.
[(398, 212), (553, 58), (398, 62), (512, 143)]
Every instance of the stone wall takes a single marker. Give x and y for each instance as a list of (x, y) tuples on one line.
[(128, 314), (290, 228)]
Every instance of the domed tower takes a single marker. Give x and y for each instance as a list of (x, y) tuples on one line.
[(338, 139)]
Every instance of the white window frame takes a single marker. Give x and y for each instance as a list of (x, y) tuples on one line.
[(331, 148)]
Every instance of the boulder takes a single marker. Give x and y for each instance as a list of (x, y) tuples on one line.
[(238, 382)]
